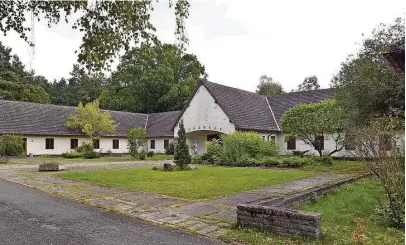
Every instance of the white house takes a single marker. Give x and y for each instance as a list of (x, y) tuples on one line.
[(213, 110)]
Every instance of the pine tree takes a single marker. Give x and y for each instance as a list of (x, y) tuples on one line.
[(182, 157)]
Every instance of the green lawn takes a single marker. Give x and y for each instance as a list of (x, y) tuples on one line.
[(340, 211), (339, 167), (205, 182)]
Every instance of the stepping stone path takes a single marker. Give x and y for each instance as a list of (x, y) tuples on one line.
[(210, 218)]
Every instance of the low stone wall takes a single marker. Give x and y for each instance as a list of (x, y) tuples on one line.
[(281, 220)]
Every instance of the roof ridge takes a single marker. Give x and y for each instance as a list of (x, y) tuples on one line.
[(306, 91), (273, 115), (243, 90)]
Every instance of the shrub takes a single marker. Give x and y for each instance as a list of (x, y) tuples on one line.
[(71, 154), (296, 162), (142, 155), (196, 159), (85, 147), (11, 145), (213, 151), (182, 157), (150, 154), (91, 155), (324, 160), (170, 149)]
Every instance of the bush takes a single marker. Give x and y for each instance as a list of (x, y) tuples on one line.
[(280, 162), (85, 147), (239, 148), (142, 155), (11, 145), (150, 154), (170, 149), (91, 155), (182, 157), (196, 159), (324, 160), (71, 154)]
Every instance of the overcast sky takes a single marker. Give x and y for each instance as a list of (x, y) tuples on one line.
[(240, 40)]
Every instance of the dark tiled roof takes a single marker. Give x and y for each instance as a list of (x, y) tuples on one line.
[(281, 103), (44, 119), (246, 110), (160, 124)]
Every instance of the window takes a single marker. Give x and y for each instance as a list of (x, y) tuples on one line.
[(319, 142), (25, 144), (291, 144), (74, 143), (49, 143), (96, 144), (152, 144), (166, 144), (116, 144), (271, 138)]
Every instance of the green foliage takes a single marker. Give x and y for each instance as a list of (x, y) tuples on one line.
[(91, 155), (171, 148), (142, 155), (240, 146), (182, 157), (137, 137), (85, 147), (79, 87), (18, 84), (307, 122), (150, 154), (324, 160), (91, 121), (213, 151), (153, 78), (72, 154), (367, 85), (107, 26), (11, 145), (268, 87), (269, 161), (308, 84)]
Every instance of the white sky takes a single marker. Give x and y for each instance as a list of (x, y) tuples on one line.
[(240, 40)]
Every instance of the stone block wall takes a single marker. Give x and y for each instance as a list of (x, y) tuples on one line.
[(278, 219)]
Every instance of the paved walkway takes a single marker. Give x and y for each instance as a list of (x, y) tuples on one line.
[(30, 216), (210, 218)]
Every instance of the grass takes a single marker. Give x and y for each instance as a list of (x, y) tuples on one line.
[(341, 167), (206, 182), (124, 158), (341, 210)]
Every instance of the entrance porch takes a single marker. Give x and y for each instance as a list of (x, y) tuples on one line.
[(199, 138)]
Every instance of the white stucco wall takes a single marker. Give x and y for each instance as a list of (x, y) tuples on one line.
[(36, 144), (204, 114), (159, 144)]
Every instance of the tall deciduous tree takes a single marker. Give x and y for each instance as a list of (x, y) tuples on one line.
[(267, 86), (107, 26), (182, 157), (312, 123), (367, 85), (137, 137), (309, 83), (152, 79), (91, 121)]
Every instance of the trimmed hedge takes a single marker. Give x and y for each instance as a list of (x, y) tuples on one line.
[(280, 162), (91, 155), (72, 154)]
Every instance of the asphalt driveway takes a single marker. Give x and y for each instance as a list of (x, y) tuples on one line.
[(28, 216)]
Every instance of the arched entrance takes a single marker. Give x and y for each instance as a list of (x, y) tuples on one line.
[(200, 137)]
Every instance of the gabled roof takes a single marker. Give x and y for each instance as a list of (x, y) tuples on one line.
[(44, 119), (246, 110), (160, 124), (283, 102)]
